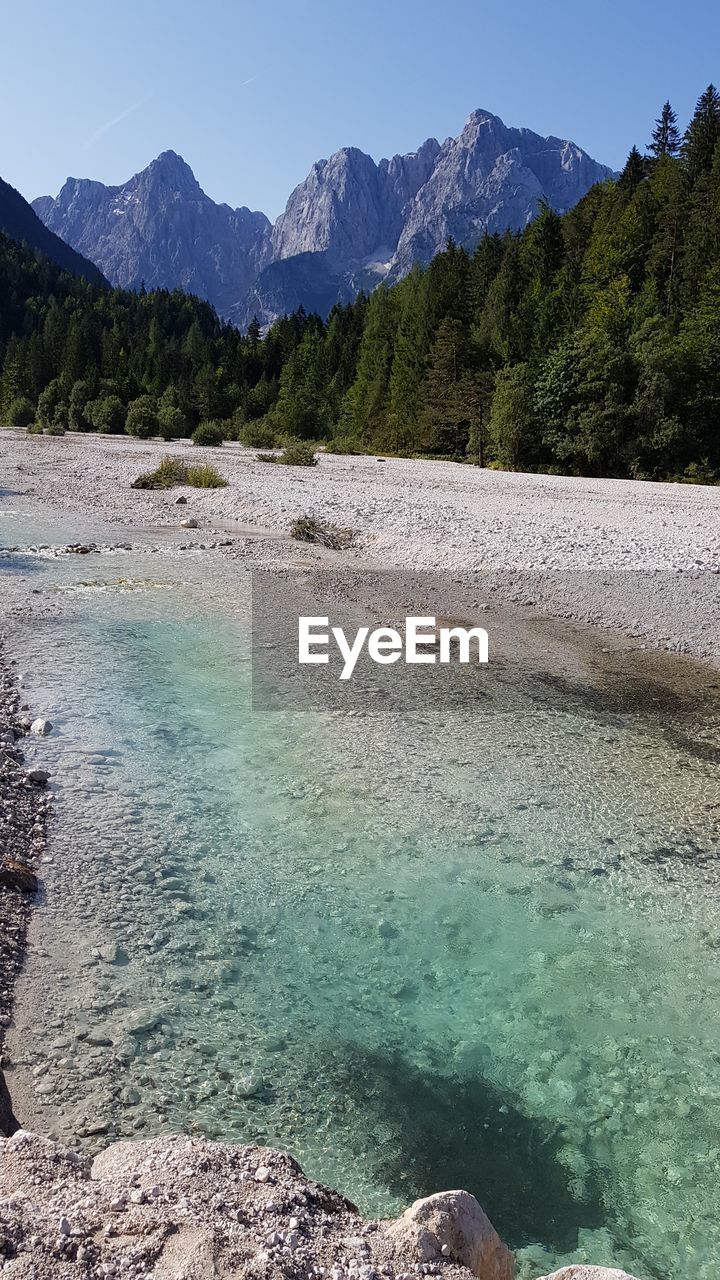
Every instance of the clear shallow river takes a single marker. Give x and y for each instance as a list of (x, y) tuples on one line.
[(492, 962)]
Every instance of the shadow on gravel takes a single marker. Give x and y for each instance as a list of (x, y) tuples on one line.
[(688, 719), (446, 1131)]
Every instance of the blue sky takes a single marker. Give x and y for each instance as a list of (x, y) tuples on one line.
[(252, 93)]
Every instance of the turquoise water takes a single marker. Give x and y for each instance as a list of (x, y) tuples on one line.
[(417, 952)]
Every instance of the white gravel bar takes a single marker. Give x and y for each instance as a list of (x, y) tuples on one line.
[(640, 557)]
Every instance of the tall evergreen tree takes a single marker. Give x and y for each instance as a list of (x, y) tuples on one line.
[(633, 174), (666, 135), (450, 406), (703, 134)]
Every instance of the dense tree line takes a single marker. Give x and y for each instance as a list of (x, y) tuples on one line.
[(587, 344)]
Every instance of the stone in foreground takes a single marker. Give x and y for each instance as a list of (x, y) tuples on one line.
[(185, 1208), (588, 1273), (453, 1226), (16, 874)]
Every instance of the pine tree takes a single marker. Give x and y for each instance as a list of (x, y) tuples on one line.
[(253, 335), (410, 350), (666, 135), (449, 394), (633, 174), (703, 134), (365, 405), (512, 419), (544, 244)]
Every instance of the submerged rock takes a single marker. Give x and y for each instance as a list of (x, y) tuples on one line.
[(113, 953), (41, 727), (249, 1086), (143, 1021)]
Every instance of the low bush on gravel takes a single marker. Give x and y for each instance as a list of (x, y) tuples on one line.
[(209, 433), (205, 477), (35, 429), (324, 535), (173, 471), (342, 445), (55, 429), (257, 435), (297, 453)]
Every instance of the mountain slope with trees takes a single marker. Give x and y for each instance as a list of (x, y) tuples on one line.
[(586, 344), (19, 220)]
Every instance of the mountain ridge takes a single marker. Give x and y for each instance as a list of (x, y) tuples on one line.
[(21, 222), (350, 224)]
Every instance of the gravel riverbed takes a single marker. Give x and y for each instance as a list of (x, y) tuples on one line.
[(641, 558)]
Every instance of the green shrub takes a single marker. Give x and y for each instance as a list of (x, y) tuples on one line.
[(60, 416), (55, 429), (21, 412), (298, 453), (141, 418), (258, 434), (171, 471), (35, 429), (107, 414), (172, 423), (78, 419), (54, 395), (699, 473), (205, 477), (209, 433), (342, 445)]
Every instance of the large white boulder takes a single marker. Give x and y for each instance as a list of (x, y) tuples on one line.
[(582, 1272), (452, 1225)]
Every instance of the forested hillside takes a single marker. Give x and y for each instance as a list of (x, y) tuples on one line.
[(586, 344)]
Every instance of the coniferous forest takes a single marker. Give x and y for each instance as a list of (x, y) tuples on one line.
[(587, 344)]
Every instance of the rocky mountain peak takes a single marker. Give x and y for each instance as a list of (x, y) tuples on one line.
[(349, 224), (171, 169)]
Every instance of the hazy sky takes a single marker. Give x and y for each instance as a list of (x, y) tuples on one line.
[(252, 93)]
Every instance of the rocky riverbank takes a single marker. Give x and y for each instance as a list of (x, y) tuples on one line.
[(188, 1209), (23, 810)]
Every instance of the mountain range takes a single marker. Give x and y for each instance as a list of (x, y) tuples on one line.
[(351, 224)]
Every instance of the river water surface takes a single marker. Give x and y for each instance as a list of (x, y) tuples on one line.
[(492, 962)]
